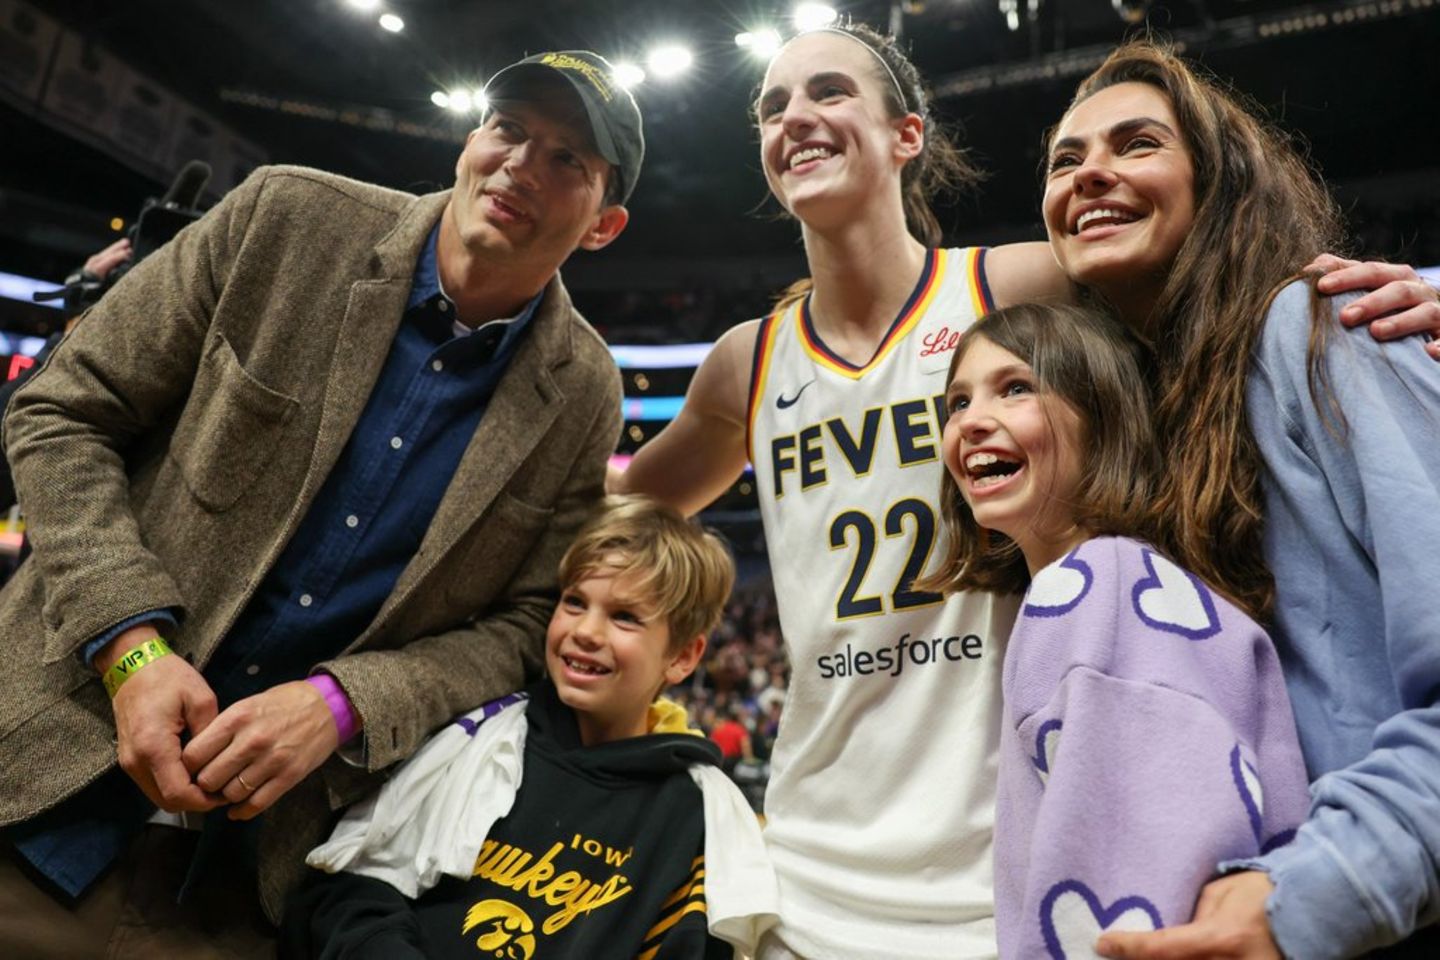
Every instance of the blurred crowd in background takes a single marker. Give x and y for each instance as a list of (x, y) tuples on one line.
[(737, 696)]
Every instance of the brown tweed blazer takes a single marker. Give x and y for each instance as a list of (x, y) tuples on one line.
[(171, 445)]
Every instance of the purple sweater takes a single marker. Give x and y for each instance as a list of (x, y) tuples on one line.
[(1147, 737)]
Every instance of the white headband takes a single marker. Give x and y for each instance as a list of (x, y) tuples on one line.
[(919, 106)]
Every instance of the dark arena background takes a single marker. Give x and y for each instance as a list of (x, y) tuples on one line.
[(103, 103)]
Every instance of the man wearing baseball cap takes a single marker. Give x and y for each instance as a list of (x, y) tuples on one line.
[(610, 110), (317, 516)]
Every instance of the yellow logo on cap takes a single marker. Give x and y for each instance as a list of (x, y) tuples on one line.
[(589, 71)]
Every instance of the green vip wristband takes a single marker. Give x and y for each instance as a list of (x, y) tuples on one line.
[(134, 659)]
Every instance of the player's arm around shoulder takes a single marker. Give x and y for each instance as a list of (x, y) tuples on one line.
[(1024, 273), (701, 452)]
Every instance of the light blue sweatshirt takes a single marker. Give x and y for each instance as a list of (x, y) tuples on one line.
[(1352, 533)]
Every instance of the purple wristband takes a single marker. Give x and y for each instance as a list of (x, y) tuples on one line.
[(347, 721)]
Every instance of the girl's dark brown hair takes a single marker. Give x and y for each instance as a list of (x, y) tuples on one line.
[(942, 168), (1260, 216), (1091, 362)]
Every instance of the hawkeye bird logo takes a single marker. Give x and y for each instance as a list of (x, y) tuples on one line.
[(508, 933)]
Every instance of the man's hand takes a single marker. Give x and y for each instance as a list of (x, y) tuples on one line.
[(262, 746), (108, 259), (1229, 922), (96, 269), (1399, 302), (153, 708)]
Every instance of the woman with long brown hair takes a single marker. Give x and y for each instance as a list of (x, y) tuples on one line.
[(1301, 479)]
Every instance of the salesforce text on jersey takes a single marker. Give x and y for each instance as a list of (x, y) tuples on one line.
[(891, 659)]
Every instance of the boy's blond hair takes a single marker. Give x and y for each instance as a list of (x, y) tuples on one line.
[(681, 569)]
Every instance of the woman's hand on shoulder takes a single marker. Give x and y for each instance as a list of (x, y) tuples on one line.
[(1399, 302), (1229, 922)]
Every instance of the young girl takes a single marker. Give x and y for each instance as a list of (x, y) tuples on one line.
[(1147, 735)]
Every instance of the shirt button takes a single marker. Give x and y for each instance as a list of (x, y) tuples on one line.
[(306, 599), (437, 365), (442, 305), (352, 521), (396, 443), (252, 669)]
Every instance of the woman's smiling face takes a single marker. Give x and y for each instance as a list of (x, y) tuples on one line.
[(1120, 194), (825, 129)]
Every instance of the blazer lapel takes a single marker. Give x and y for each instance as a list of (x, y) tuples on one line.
[(372, 317)]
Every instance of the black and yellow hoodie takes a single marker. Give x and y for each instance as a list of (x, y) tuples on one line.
[(601, 856)]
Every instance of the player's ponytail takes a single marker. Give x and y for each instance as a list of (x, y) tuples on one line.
[(943, 167)]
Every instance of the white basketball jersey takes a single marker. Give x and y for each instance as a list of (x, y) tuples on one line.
[(881, 800)]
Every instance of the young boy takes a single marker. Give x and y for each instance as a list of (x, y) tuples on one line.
[(578, 819)]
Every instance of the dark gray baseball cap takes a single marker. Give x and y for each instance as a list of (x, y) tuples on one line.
[(614, 116)]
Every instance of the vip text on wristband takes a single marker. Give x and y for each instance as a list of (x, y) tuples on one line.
[(135, 658)]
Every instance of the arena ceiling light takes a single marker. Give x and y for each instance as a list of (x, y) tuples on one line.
[(388, 21), (1131, 11), (628, 75), (669, 60), (813, 16), (459, 101), (762, 43), (364, 6), (1010, 10)]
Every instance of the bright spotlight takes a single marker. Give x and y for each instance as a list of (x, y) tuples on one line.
[(628, 75), (813, 16), (388, 21), (364, 6), (761, 43), (478, 100), (670, 60), (1131, 11), (1011, 11), (440, 98), (460, 101)]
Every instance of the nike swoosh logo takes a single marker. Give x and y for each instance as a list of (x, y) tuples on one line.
[(781, 402)]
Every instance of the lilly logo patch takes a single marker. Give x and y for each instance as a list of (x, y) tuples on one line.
[(1072, 918), (1172, 600), (1059, 588)]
